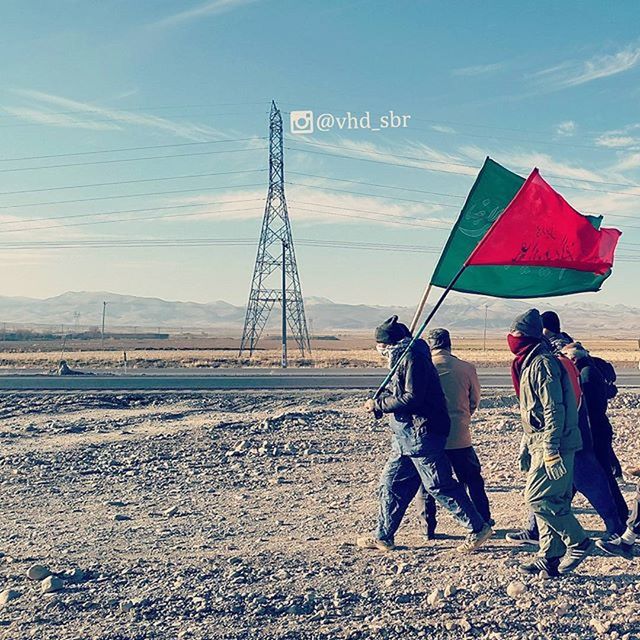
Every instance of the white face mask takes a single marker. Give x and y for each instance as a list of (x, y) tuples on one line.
[(383, 350)]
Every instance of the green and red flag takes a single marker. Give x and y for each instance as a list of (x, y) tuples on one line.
[(501, 267), (540, 228)]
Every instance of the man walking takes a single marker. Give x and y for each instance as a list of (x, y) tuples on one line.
[(590, 478), (418, 418), (461, 388), (551, 437), (594, 387)]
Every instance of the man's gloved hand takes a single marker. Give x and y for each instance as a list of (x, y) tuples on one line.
[(370, 406), (554, 466), (524, 457)]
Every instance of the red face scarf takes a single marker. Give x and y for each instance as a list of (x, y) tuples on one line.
[(520, 347)]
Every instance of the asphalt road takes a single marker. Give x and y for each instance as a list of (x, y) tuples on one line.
[(221, 379)]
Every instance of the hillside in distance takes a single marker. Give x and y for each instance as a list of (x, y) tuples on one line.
[(461, 313)]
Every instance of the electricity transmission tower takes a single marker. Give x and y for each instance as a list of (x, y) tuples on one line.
[(275, 276)]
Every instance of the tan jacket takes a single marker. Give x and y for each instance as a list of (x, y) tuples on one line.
[(462, 390)]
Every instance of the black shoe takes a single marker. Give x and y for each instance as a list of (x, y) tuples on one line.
[(614, 546), (575, 555), (545, 567)]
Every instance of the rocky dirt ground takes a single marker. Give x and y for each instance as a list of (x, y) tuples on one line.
[(226, 515)]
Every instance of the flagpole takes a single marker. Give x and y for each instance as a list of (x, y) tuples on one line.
[(421, 306), (418, 333)]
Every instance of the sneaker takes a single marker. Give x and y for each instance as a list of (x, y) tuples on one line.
[(475, 540), (371, 542), (543, 567), (575, 555), (522, 537), (615, 546)]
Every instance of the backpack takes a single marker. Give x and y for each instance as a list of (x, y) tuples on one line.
[(609, 375)]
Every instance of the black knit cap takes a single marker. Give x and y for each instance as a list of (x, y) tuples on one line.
[(391, 331), (551, 321)]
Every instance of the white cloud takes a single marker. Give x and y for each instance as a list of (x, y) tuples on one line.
[(442, 128), (313, 202), (59, 119), (628, 162), (200, 11), (615, 142), (574, 73), (413, 154), (478, 70), (91, 116), (566, 128)]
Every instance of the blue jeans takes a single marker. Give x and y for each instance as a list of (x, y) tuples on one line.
[(402, 477), (592, 481), (467, 470)]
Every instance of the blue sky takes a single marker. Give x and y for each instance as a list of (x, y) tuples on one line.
[(553, 85)]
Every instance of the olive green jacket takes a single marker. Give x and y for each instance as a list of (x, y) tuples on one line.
[(547, 404)]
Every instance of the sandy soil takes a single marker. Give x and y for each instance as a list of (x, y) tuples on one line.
[(348, 351), (224, 515)]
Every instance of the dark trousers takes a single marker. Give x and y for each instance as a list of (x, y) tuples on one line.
[(603, 450), (402, 477), (592, 480), (468, 471)]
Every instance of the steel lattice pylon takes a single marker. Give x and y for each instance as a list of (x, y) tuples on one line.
[(275, 276)]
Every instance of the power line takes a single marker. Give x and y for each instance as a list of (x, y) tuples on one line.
[(373, 195), (374, 184), (455, 164), (98, 109), (138, 181), (232, 242), (120, 118), (135, 219), (123, 149), (441, 204), (130, 195), (177, 155), (426, 223)]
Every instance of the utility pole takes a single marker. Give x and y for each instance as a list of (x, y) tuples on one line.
[(104, 313), (266, 290), (284, 305), (484, 341)]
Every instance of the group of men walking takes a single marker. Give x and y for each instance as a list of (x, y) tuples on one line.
[(566, 446)]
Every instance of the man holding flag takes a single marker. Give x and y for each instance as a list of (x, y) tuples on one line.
[(417, 412)]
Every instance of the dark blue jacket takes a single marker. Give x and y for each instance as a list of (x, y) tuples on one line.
[(417, 402)]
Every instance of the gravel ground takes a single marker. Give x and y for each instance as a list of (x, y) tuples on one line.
[(234, 515)]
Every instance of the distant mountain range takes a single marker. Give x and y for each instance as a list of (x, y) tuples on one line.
[(460, 312)]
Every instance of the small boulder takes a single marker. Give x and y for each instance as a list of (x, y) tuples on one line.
[(515, 589), (7, 595), (38, 572), (51, 584), (435, 597)]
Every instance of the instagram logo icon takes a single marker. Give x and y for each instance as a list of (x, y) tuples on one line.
[(301, 121)]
